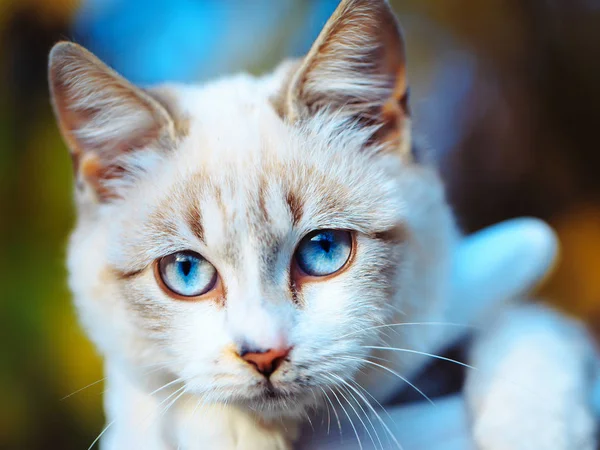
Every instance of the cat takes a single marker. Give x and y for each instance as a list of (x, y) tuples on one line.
[(242, 245)]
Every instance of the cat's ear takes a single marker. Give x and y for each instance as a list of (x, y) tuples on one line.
[(103, 118), (357, 68)]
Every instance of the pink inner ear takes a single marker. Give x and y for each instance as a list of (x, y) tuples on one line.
[(95, 174), (97, 161)]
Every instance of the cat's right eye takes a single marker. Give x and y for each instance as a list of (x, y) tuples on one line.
[(186, 274)]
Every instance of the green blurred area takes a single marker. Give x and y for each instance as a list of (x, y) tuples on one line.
[(44, 355)]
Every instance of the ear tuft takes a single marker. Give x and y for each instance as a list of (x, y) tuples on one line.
[(102, 116), (356, 69)]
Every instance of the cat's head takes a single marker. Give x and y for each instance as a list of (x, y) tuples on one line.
[(247, 236)]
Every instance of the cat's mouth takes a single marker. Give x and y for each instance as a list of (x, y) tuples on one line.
[(274, 399), (271, 393)]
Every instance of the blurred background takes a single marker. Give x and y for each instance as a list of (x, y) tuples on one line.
[(505, 92)]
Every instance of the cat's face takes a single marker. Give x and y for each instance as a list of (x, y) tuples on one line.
[(247, 236)]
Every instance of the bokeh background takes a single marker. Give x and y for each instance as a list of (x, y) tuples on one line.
[(505, 92)]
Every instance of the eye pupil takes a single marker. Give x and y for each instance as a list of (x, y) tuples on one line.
[(324, 252), (326, 245), (186, 267)]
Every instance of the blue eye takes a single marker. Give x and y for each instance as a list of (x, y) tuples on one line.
[(324, 252), (187, 274)]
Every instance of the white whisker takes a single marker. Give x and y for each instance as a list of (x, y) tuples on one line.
[(402, 324), (393, 372), (362, 409), (101, 434), (346, 412), (176, 380), (104, 379), (339, 423), (83, 388), (406, 350), (373, 398), (328, 417), (181, 391), (378, 416)]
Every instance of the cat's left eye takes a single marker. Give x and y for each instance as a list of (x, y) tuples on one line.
[(324, 252), (186, 274)]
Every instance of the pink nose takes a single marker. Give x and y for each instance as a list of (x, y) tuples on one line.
[(265, 362)]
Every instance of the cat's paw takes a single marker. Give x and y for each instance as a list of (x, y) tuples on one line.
[(533, 424), (256, 434), (533, 387), (263, 440), (216, 427)]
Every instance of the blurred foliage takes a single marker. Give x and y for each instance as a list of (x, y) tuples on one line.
[(44, 355), (526, 145)]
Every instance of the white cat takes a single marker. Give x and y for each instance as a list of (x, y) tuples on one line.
[(243, 245)]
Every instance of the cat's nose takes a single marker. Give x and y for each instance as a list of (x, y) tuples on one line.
[(266, 362)]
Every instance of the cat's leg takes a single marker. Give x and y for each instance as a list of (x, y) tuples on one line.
[(531, 389), (133, 418)]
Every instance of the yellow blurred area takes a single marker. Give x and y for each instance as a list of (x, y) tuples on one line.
[(49, 11), (575, 286)]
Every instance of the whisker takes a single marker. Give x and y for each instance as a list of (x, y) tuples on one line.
[(398, 310), (387, 429), (339, 423), (402, 324), (357, 384), (147, 417), (104, 379), (172, 394), (362, 409), (102, 433), (393, 372), (406, 350), (83, 388), (341, 391), (347, 415), (177, 380), (309, 421), (328, 417), (181, 391)]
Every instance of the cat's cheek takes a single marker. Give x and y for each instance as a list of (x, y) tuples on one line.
[(205, 352), (325, 329)]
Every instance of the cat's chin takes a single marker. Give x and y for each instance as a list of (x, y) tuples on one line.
[(272, 402)]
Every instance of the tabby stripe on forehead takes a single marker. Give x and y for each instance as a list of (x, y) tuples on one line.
[(262, 203), (194, 218), (395, 235), (296, 206)]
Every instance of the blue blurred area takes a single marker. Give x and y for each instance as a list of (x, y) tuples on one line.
[(317, 15), (189, 40)]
